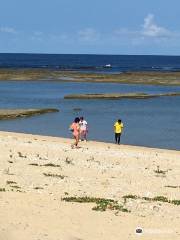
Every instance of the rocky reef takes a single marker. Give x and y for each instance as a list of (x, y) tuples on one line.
[(153, 78), (16, 113), (119, 95)]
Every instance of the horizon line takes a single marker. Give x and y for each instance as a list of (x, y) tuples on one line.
[(95, 54)]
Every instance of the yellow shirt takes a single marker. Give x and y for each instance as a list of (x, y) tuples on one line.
[(118, 127)]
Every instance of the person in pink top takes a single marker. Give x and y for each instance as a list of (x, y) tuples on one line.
[(75, 131)]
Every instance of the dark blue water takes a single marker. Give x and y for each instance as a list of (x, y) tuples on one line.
[(91, 63), (150, 122)]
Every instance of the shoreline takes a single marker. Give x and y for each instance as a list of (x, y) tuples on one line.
[(38, 172), (69, 141)]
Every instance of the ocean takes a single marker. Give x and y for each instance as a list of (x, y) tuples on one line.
[(91, 63), (148, 122)]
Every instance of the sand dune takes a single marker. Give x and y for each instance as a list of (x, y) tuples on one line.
[(38, 171)]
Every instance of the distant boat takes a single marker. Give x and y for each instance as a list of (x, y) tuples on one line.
[(108, 66)]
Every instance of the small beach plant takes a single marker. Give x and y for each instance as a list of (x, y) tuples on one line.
[(102, 204)]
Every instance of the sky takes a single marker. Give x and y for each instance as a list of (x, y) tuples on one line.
[(90, 26)]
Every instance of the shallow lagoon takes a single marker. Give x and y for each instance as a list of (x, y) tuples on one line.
[(150, 122)]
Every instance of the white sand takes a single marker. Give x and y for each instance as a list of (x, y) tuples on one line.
[(95, 170)]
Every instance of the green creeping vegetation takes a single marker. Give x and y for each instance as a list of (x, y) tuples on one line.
[(11, 182), (54, 175), (2, 189), (160, 199), (154, 199), (84, 199), (175, 202), (102, 204), (130, 196)]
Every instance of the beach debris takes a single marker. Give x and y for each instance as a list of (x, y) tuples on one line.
[(15, 186), (54, 175), (45, 165), (10, 161), (50, 165), (68, 161), (38, 188), (91, 158), (42, 158), (34, 164), (108, 66), (7, 171), (139, 230), (21, 155), (172, 186), (160, 172)]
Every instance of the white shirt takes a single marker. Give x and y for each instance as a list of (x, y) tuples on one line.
[(83, 125)]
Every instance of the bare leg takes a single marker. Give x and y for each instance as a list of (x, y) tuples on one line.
[(81, 135), (85, 135), (77, 140)]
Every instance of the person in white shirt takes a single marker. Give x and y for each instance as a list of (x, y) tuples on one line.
[(83, 129)]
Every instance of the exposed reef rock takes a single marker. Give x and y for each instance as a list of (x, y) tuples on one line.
[(152, 78), (16, 113), (118, 95)]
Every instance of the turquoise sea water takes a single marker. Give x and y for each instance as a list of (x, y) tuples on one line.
[(150, 122)]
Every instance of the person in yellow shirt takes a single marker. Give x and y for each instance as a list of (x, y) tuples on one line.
[(118, 128)]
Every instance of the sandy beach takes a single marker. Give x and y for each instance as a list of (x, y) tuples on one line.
[(37, 172)]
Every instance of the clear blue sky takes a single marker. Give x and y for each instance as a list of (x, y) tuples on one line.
[(90, 26)]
